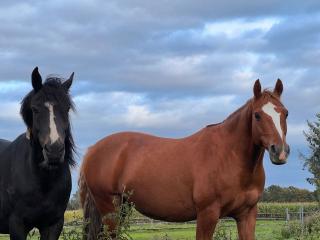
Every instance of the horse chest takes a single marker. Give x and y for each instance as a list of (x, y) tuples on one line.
[(240, 202), (41, 208), (37, 202)]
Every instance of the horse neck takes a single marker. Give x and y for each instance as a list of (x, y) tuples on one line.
[(239, 127)]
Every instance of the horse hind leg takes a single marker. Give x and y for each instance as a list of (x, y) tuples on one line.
[(115, 211), (103, 210), (108, 207)]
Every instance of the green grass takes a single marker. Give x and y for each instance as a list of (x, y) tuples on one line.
[(265, 230)]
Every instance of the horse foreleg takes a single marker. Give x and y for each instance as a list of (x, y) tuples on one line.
[(246, 224), (52, 232), (207, 220), (17, 229)]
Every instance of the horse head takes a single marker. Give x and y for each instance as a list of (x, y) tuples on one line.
[(269, 122), (45, 110)]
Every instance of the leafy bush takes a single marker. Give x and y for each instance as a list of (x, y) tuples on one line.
[(122, 216), (310, 230), (222, 233)]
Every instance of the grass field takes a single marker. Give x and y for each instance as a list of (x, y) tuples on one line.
[(265, 230)]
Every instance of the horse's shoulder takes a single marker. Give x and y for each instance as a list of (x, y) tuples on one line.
[(9, 150)]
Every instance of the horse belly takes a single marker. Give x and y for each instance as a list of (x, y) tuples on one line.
[(168, 202), (173, 212)]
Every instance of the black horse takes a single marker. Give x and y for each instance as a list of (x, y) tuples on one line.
[(35, 179)]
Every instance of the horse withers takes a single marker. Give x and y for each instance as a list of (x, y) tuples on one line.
[(35, 179), (214, 173)]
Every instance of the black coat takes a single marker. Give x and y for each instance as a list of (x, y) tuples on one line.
[(30, 195)]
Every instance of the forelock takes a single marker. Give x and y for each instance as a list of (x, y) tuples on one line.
[(53, 88), (267, 95)]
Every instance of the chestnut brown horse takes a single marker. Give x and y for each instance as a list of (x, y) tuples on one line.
[(214, 173)]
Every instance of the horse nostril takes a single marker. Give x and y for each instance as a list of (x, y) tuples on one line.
[(54, 148), (273, 148)]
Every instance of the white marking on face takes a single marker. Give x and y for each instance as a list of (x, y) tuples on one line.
[(269, 109), (54, 136)]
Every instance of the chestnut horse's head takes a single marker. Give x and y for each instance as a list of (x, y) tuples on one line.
[(269, 122)]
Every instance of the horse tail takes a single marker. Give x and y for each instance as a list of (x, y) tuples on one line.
[(92, 226)]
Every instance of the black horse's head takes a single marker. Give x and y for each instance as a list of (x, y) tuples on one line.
[(45, 111)]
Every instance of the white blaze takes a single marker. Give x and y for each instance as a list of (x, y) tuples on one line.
[(269, 109), (54, 136)]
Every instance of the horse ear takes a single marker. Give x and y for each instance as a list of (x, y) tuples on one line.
[(36, 79), (257, 89), (67, 84), (278, 89)]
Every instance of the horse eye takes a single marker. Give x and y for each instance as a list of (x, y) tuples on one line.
[(287, 114), (257, 116)]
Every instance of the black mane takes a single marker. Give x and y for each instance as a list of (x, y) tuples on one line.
[(52, 88)]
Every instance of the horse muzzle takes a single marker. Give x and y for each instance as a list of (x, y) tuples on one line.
[(53, 155), (279, 154)]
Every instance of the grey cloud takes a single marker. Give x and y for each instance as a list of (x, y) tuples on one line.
[(156, 53)]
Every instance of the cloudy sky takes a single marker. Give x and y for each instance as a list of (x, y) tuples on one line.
[(164, 67)]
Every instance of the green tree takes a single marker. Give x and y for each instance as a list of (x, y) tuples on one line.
[(275, 193), (312, 161)]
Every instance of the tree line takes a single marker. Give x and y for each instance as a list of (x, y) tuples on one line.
[(275, 193)]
